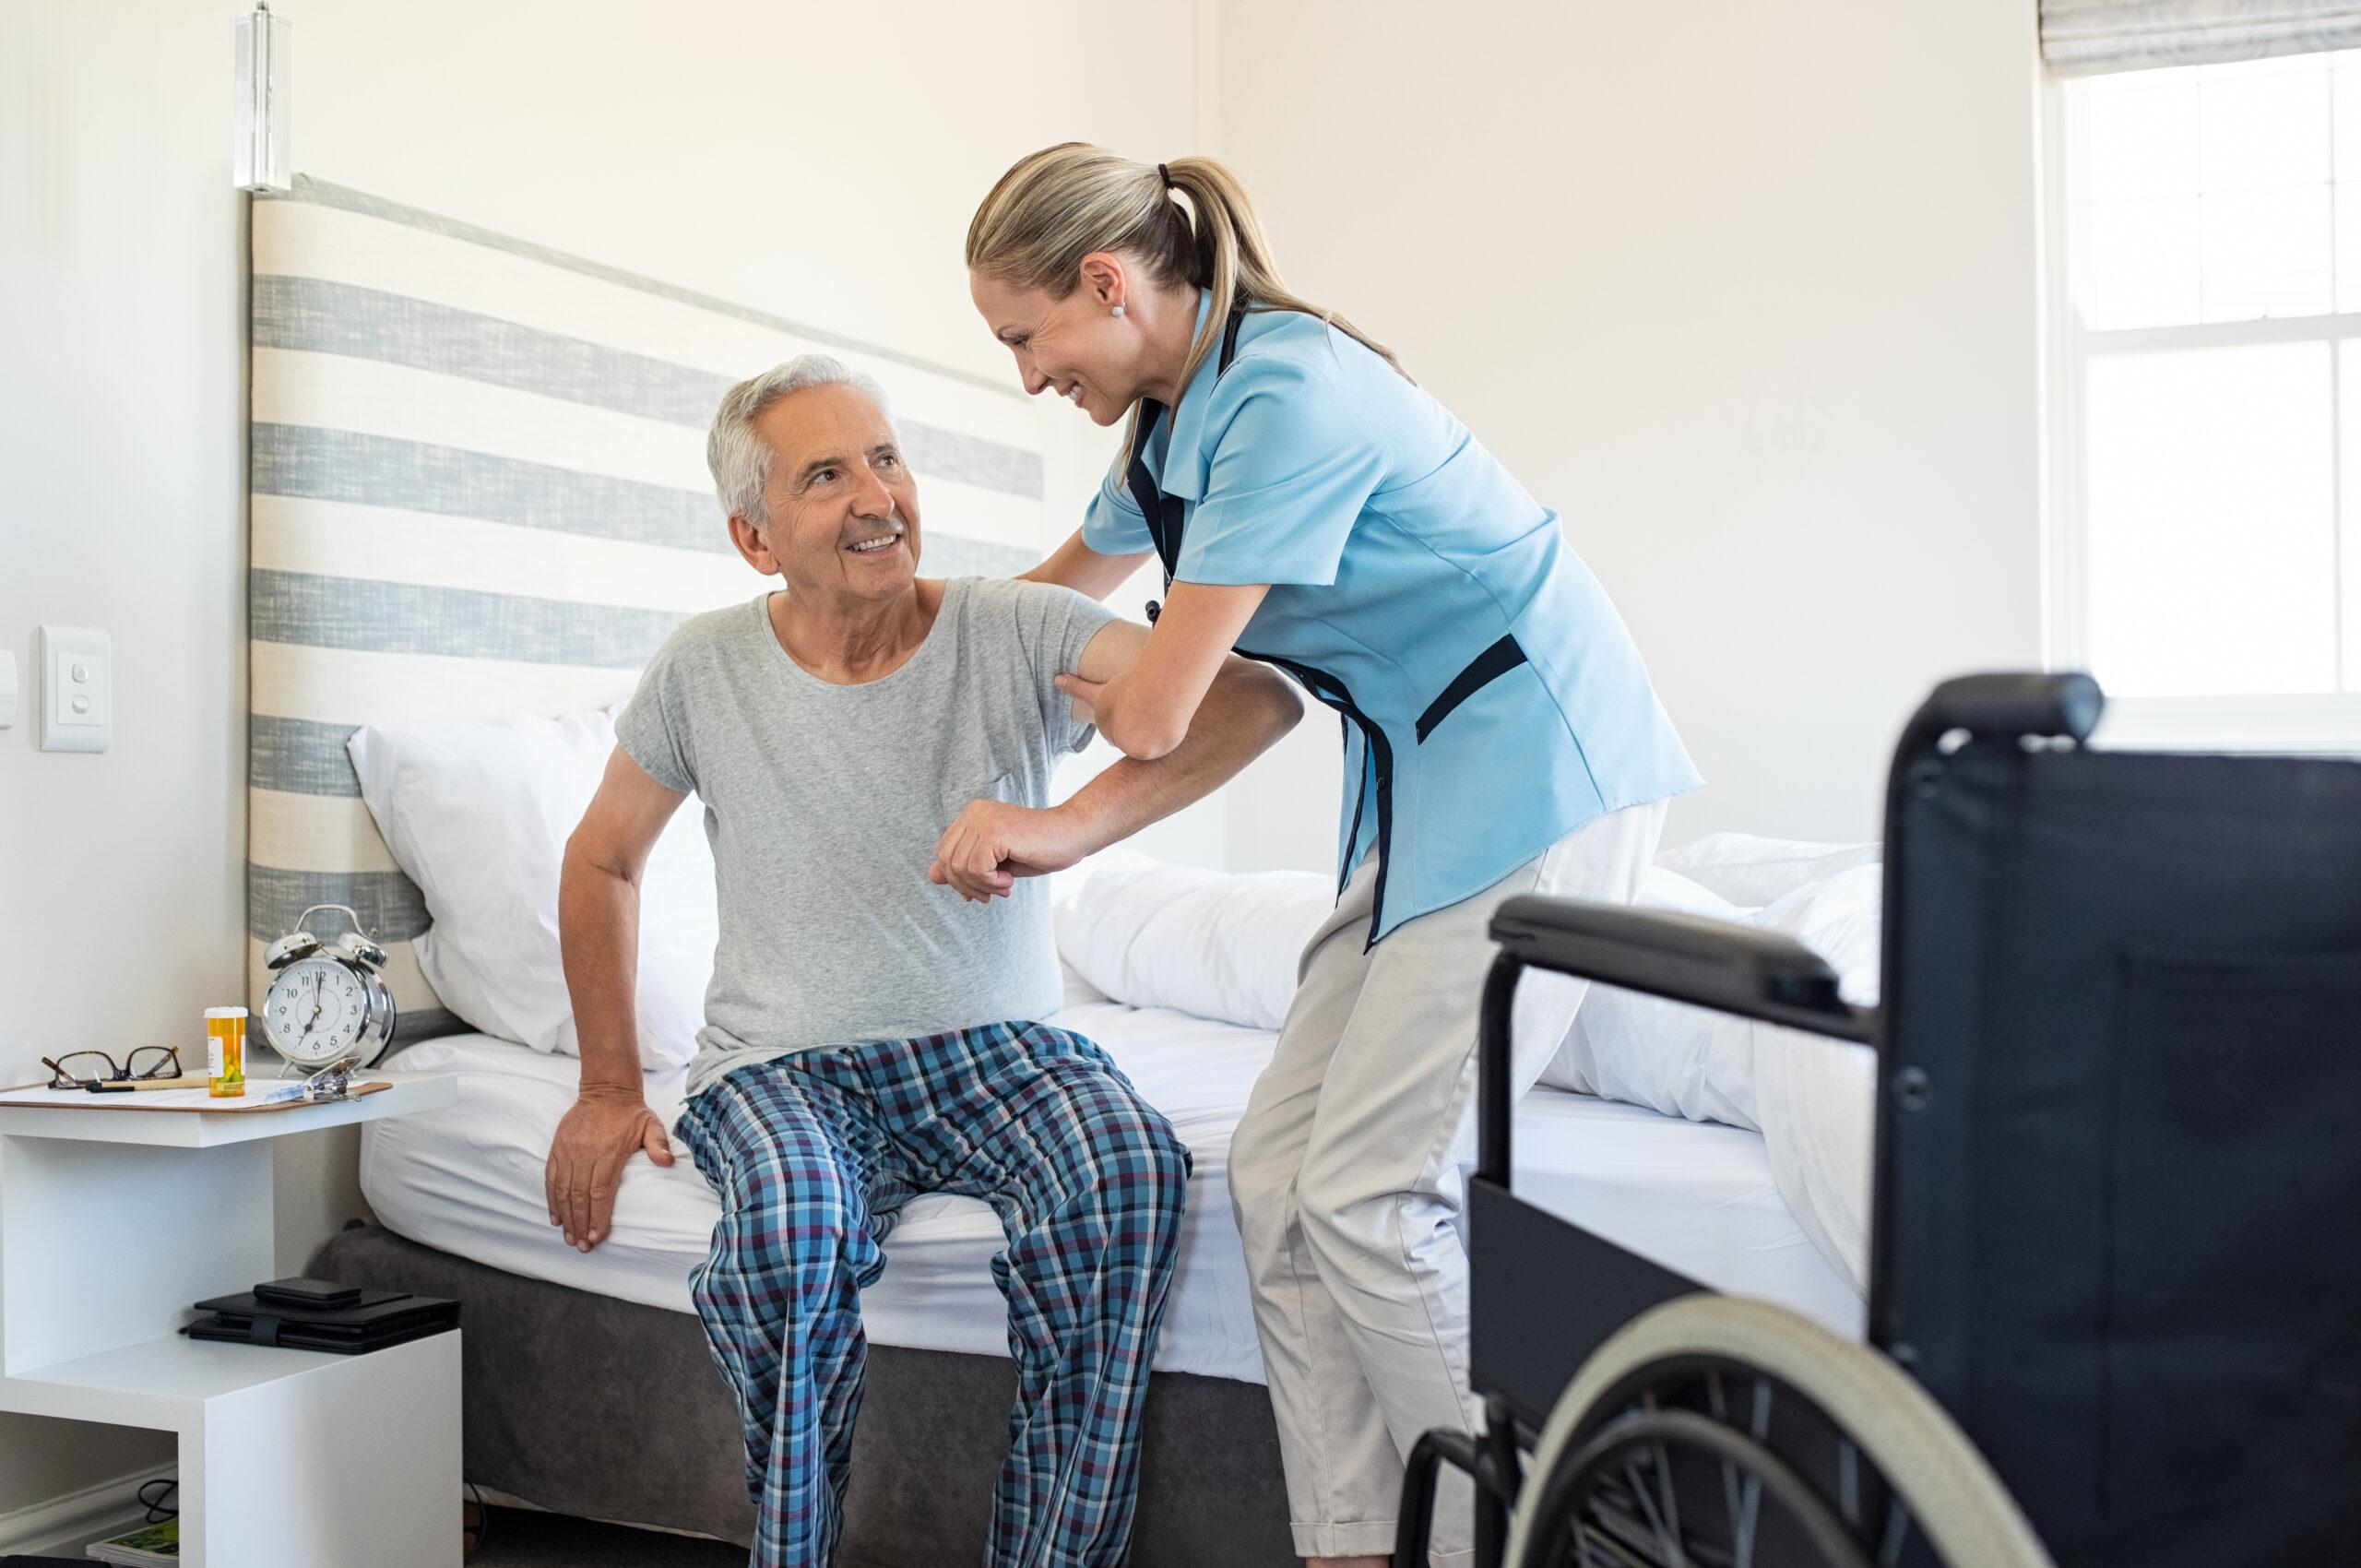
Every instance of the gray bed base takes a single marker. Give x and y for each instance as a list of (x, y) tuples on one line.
[(588, 1406)]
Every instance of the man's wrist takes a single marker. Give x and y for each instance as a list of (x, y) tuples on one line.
[(1082, 828)]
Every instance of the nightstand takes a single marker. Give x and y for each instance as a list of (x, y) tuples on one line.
[(112, 1223)]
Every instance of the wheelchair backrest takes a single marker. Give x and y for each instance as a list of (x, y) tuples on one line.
[(2118, 1220)]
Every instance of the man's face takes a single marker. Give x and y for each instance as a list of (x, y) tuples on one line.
[(843, 514)]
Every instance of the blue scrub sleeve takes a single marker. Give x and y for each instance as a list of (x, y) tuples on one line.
[(1292, 466), (1113, 526)]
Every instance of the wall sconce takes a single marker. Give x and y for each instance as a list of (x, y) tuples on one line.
[(259, 160)]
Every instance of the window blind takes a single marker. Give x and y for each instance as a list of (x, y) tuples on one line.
[(2086, 37)]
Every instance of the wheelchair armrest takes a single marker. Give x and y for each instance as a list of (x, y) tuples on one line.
[(1756, 974), (1734, 968)]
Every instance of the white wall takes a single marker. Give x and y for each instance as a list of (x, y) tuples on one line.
[(818, 162), (1747, 292), (1752, 306)]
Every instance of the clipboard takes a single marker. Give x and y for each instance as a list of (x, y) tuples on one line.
[(182, 1101)]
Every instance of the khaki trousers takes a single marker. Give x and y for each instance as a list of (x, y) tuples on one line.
[(1344, 1174)]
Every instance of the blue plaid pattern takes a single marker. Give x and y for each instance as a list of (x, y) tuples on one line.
[(814, 1156)]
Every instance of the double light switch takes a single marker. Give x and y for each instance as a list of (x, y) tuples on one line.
[(77, 689)]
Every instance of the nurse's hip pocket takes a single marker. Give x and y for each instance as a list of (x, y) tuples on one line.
[(1486, 667)]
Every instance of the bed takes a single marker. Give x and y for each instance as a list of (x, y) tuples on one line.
[(458, 1199)]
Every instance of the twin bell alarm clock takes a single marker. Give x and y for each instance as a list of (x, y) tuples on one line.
[(328, 999)]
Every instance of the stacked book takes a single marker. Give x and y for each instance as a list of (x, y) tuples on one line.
[(310, 1314), (149, 1543)]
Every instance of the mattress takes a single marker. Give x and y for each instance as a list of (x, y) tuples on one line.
[(1698, 1198)]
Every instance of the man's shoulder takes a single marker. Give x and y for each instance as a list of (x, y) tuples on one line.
[(1005, 605), (708, 632)]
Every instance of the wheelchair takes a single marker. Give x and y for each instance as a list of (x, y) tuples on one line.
[(2114, 1305)]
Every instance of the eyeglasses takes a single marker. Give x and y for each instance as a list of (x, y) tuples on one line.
[(80, 1069)]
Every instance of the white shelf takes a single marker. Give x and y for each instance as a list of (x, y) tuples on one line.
[(112, 1123), (156, 1382)]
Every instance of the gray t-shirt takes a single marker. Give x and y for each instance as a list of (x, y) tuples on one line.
[(824, 804)]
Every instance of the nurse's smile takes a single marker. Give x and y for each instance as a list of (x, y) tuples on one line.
[(1112, 339)]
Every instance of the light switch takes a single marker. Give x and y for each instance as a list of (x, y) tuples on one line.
[(77, 689)]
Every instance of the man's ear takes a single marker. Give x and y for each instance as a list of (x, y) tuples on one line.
[(753, 543)]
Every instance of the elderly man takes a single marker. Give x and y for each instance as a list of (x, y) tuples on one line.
[(872, 750)]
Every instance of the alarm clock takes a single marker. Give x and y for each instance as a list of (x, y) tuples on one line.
[(328, 999)]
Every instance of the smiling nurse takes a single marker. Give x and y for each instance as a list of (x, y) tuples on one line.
[(1313, 508)]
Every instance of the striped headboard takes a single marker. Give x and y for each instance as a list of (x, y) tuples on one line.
[(478, 487)]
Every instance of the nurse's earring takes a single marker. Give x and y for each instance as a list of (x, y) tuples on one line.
[(1117, 312)]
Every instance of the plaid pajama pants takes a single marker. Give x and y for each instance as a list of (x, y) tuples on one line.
[(814, 1155)]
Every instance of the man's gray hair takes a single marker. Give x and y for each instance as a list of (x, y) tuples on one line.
[(741, 460)]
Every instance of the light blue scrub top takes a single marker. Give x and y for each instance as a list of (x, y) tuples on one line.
[(1493, 700)]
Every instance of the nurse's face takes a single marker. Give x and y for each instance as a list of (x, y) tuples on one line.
[(1076, 348)]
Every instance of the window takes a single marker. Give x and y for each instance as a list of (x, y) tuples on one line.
[(2205, 520)]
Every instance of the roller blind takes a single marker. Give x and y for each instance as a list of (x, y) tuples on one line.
[(2084, 37)]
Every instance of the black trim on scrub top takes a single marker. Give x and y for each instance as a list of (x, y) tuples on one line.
[(1488, 667), (1330, 691), (1166, 516)]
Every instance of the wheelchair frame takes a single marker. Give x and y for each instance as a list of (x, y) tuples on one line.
[(1527, 1337)]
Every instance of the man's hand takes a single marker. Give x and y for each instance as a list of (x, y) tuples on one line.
[(596, 1139), (992, 843)]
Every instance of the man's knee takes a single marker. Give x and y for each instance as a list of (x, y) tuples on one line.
[(790, 1213), (1142, 1167)]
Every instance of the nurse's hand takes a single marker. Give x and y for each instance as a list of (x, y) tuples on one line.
[(992, 843)]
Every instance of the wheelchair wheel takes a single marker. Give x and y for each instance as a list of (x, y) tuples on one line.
[(1721, 1432)]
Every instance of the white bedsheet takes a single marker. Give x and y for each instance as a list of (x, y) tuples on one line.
[(1698, 1198)]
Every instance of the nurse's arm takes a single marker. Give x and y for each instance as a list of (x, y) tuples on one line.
[(1076, 566), (1145, 711), (992, 843)]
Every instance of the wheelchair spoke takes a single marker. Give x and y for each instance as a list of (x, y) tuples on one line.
[(1745, 1522), (1671, 1500), (1596, 1549), (1669, 1497), (1897, 1531), (1668, 1541), (1715, 1402)]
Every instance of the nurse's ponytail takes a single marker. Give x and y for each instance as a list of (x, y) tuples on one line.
[(1054, 207)]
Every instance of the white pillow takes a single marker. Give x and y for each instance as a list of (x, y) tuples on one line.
[(1644, 1050), (1706, 1065), (1752, 873), (477, 811), (1211, 944)]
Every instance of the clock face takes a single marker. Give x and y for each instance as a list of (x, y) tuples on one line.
[(316, 1010)]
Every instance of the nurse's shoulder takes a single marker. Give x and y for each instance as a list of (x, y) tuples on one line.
[(1325, 385)]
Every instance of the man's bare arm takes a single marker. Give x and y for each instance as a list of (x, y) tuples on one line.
[(1246, 708), (598, 918)]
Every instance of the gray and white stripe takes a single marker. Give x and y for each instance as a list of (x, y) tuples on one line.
[(478, 487)]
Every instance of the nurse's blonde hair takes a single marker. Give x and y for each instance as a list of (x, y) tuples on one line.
[(1058, 205)]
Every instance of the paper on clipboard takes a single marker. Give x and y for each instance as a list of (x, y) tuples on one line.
[(257, 1098)]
